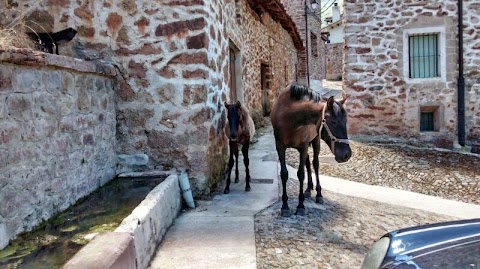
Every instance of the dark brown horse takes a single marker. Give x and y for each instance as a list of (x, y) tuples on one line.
[(299, 118), (240, 129)]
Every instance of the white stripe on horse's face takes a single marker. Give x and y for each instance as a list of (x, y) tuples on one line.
[(336, 108)]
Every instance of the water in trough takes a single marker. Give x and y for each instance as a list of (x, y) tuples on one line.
[(55, 241)]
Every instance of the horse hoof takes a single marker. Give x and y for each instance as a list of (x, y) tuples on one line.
[(226, 191), (237, 180), (300, 212), (319, 200), (307, 194), (286, 213), (247, 189)]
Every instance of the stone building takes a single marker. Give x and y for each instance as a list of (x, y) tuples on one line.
[(171, 66), (308, 21), (401, 69), (334, 48)]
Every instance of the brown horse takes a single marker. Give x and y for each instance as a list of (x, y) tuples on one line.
[(299, 118), (240, 130)]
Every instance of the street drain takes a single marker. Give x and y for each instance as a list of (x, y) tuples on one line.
[(262, 180)]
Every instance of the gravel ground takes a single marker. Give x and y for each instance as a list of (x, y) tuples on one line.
[(338, 233), (445, 174)]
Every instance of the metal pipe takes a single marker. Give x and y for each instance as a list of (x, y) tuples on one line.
[(461, 79), (306, 44)]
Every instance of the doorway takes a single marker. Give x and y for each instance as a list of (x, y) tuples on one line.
[(235, 82), (264, 80)]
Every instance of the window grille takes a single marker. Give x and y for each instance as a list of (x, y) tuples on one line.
[(427, 122), (423, 56)]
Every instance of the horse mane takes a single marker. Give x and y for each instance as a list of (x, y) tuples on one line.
[(298, 92)]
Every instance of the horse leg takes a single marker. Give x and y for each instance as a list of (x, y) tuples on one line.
[(301, 177), (316, 151), (308, 191), (246, 161), (233, 145), (285, 212), (236, 163)]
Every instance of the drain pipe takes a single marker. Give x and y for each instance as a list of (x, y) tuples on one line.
[(461, 79), (185, 189)]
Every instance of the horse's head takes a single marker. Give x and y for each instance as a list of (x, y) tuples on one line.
[(233, 116), (334, 131)]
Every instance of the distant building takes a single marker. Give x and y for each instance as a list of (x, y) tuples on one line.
[(401, 69), (308, 22), (334, 35)]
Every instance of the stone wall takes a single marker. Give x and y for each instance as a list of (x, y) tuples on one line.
[(334, 61), (296, 10), (260, 40), (57, 135), (174, 61), (385, 100)]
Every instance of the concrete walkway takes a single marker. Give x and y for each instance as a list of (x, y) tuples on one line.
[(220, 233)]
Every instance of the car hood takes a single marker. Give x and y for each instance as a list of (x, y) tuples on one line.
[(411, 242)]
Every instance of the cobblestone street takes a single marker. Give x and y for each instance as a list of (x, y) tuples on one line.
[(338, 233), (445, 174)]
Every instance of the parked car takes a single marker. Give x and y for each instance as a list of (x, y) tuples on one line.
[(448, 245)]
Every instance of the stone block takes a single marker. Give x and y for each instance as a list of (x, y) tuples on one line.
[(83, 100), (55, 84), (180, 27), (106, 251), (19, 106), (132, 163), (8, 132), (150, 220), (28, 80), (4, 238), (45, 105), (5, 79)]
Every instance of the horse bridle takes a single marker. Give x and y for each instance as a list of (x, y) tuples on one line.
[(333, 139)]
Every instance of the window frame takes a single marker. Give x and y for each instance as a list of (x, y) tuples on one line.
[(441, 47)]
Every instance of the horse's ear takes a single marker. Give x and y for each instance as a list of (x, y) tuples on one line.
[(330, 102), (238, 104), (344, 98)]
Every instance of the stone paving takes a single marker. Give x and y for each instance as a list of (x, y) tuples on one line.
[(338, 233)]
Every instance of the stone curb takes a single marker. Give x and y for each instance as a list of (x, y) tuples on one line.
[(137, 236), (107, 251), (150, 220)]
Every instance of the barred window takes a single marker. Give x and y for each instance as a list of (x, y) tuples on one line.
[(423, 56), (426, 122)]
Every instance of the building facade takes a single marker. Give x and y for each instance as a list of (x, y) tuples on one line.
[(334, 48), (308, 21), (173, 65), (401, 69)]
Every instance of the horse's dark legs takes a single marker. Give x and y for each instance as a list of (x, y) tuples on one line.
[(285, 212), (233, 148), (301, 177), (316, 151), (236, 164), (246, 161), (308, 191)]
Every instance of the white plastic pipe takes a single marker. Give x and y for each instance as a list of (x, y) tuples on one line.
[(185, 188)]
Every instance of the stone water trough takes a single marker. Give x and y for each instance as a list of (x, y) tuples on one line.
[(134, 242), (118, 240)]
